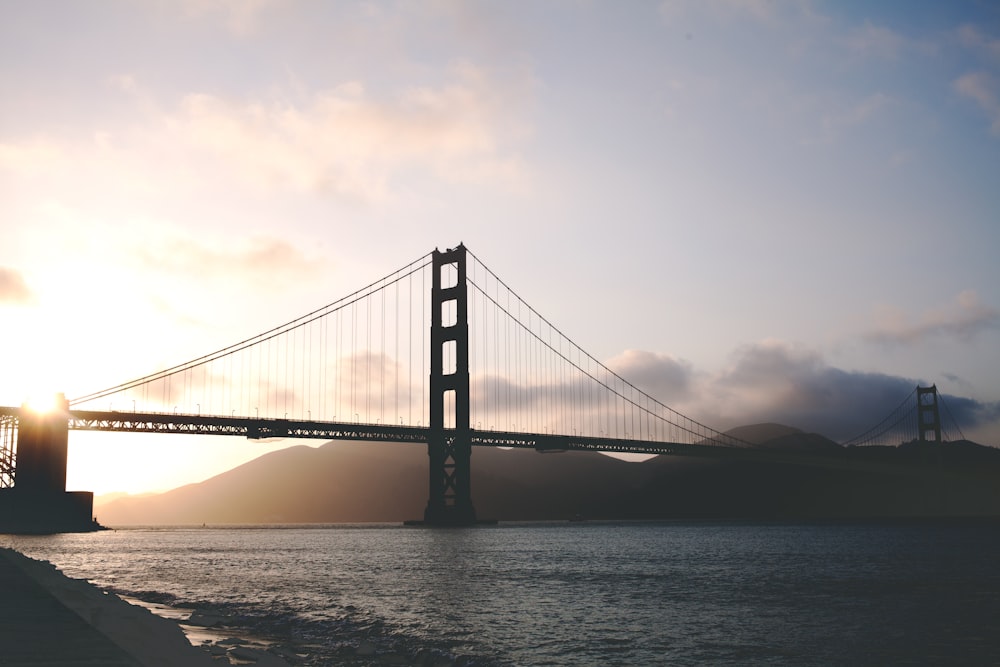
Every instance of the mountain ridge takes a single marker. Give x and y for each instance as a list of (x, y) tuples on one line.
[(347, 482)]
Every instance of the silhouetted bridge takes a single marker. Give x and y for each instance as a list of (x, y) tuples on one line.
[(472, 366)]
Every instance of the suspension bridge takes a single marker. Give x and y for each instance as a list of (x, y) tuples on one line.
[(441, 352)]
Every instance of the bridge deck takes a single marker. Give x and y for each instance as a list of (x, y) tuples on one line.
[(254, 428)]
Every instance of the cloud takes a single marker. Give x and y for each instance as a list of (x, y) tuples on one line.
[(963, 319), (759, 10), (264, 262), (377, 387), (124, 83), (32, 157), (854, 114), (659, 375), (345, 142), (871, 41), (242, 17), (13, 289), (967, 413), (774, 381), (973, 38), (293, 379), (983, 88), (563, 399), (779, 382), (770, 381), (956, 379)]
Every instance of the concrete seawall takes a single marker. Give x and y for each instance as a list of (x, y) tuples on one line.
[(49, 619)]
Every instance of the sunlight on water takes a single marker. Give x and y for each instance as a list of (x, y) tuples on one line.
[(573, 594)]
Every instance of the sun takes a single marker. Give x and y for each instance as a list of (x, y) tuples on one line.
[(45, 403)]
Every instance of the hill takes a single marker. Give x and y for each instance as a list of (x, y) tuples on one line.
[(779, 436), (375, 482), (359, 482)]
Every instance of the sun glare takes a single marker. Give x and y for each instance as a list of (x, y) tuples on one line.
[(45, 403)]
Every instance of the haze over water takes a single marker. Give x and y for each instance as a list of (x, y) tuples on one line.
[(574, 594)]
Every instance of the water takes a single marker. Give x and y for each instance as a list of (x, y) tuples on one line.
[(575, 594)]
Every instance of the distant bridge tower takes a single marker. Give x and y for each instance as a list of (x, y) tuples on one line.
[(928, 417), (448, 444)]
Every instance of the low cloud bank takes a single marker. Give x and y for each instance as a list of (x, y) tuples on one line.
[(773, 381), (769, 381)]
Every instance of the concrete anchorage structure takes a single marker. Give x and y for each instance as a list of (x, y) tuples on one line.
[(37, 500)]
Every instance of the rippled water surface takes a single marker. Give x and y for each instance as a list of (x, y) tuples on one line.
[(578, 593)]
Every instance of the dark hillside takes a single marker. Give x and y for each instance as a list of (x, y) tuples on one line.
[(367, 482)]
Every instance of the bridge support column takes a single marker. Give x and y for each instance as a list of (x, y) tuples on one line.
[(928, 417), (449, 446), (38, 501)]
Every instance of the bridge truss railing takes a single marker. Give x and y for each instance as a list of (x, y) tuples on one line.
[(270, 428), (8, 449)]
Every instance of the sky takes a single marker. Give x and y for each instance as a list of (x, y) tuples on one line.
[(758, 211)]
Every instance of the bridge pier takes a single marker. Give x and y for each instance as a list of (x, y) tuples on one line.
[(38, 501), (449, 447)]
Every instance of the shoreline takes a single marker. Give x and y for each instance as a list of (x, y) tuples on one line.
[(150, 639)]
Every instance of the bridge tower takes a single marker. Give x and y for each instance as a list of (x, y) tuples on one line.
[(38, 501), (928, 417), (42, 450), (448, 445)]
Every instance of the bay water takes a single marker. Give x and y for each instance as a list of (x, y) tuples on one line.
[(583, 593)]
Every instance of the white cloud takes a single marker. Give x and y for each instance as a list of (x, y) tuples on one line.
[(125, 83), (760, 10), (347, 143), (972, 37), (984, 89), (343, 142), (854, 114), (242, 17), (962, 319), (872, 41), (261, 263), (32, 157)]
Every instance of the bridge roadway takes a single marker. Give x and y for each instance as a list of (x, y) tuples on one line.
[(258, 429)]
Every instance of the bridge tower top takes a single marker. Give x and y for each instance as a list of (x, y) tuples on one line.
[(928, 416)]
